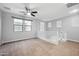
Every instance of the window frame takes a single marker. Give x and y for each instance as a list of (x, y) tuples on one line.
[(23, 25), (17, 25), (42, 28), (27, 25)]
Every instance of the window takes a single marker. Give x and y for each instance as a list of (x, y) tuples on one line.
[(18, 25), (42, 26), (22, 25), (49, 24), (27, 25), (59, 24)]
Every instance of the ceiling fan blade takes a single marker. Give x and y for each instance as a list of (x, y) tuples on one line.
[(7, 8), (28, 10), (32, 14), (27, 6)]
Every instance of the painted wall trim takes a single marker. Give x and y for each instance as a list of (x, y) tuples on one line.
[(16, 40), (73, 40)]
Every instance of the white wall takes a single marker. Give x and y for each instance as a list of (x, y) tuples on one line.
[(7, 29), (70, 26)]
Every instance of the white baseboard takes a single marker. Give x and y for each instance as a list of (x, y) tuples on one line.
[(16, 40), (73, 40), (50, 41)]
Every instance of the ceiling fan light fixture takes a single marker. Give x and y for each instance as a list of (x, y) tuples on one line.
[(28, 14)]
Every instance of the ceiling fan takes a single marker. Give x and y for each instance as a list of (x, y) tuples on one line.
[(29, 11)]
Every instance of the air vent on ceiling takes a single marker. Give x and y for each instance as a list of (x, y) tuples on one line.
[(71, 4)]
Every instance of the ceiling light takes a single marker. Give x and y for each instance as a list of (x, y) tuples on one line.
[(28, 14)]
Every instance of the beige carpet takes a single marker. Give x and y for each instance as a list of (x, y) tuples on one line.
[(37, 47)]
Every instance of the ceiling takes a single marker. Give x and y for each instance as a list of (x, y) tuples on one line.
[(46, 11)]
